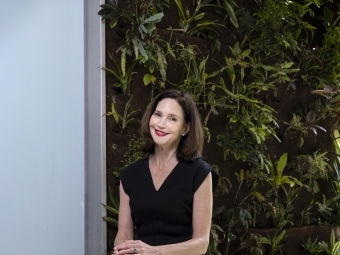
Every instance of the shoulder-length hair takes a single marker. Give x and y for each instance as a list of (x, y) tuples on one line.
[(191, 145)]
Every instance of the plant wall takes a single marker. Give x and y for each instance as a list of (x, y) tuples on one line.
[(265, 75)]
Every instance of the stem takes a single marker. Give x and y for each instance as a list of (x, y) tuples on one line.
[(244, 200), (239, 186), (207, 117)]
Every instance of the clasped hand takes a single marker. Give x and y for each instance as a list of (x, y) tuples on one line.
[(135, 247)]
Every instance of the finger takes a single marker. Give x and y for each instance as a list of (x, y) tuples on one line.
[(127, 251), (125, 244)]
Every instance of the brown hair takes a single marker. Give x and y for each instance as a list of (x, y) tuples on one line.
[(191, 145)]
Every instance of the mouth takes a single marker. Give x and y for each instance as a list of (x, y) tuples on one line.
[(160, 133)]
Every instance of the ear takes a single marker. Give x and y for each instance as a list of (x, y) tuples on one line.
[(186, 128)]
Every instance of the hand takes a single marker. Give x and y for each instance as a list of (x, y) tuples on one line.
[(136, 247)]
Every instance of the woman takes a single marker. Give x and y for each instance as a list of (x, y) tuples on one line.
[(167, 197)]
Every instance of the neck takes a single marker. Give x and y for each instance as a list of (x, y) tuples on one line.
[(163, 158), (163, 154)]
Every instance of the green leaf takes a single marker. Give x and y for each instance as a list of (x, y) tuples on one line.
[(287, 180), (111, 209), (287, 65), (237, 49), (301, 141), (258, 196), (217, 44), (142, 50), (147, 79), (282, 163), (115, 114), (264, 240), (110, 220), (126, 108), (281, 236), (156, 17), (246, 53), (142, 27), (150, 28), (113, 200), (327, 14), (231, 13), (113, 22), (111, 71), (199, 16), (218, 210)]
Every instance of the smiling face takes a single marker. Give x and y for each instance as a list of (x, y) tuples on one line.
[(167, 124)]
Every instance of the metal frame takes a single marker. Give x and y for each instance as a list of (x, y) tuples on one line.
[(95, 130)]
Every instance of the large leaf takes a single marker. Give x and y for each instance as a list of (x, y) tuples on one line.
[(282, 163), (142, 50), (157, 17)]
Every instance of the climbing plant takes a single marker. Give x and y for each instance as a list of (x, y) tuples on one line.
[(265, 76)]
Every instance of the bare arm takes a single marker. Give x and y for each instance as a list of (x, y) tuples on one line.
[(125, 224), (202, 212)]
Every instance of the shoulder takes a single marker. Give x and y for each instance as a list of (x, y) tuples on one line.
[(201, 170), (204, 166), (199, 165), (133, 168), (132, 172)]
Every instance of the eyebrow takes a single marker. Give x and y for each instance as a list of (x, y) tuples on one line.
[(170, 114)]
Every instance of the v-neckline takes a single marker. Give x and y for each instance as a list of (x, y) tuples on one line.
[(166, 178)]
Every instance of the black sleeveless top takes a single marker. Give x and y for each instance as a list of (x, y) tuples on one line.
[(164, 216)]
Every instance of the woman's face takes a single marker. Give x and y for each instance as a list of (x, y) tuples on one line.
[(167, 123)]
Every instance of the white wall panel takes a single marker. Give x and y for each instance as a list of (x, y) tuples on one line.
[(42, 127)]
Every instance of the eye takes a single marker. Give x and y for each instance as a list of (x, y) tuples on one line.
[(157, 114), (173, 118)]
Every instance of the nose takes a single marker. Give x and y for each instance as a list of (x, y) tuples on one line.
[(161, 123)]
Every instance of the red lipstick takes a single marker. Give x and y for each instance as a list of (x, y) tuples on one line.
[(160, 133)]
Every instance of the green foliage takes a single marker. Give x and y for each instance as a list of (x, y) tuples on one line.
[(196, 80), (279, 25), (142, 18), (122, 120), (330, 106), (123, 75), (195, 24), (132, 154), (154, 58), (311, 247), (298, 129), (276, 177), (275, 52), (249, 126), (331, 248), (251, 245), (336, 179), (114, 209), (251, 122), (328, 72), (282, 209), (223, 182), (115, 10), (274, 244), (312, 168), (230, 218), (137, 13), (217, 234), (328, 211)]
